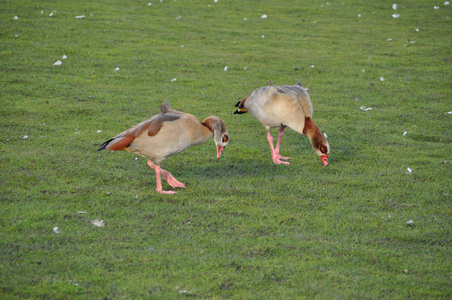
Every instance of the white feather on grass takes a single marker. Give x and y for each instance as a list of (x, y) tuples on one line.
[(97, 222)]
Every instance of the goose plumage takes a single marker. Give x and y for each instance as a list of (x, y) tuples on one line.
[(285, 106), (168, 134)]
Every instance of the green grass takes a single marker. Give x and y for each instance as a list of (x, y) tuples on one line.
[(243, 228)]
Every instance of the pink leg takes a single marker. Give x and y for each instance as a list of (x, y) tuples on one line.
[(275, 157), (158, 173), (167, 176), (159, 183), (278, 143)]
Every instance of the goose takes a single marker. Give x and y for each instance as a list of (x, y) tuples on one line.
[(168, 134), (285, 106)]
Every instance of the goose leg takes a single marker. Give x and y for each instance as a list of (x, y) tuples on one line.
[(167, 176), (276, 157), (159, 182), (278, 143)]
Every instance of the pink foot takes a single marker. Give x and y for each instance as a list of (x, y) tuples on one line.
[(279, 162), (279, 156), (276, 159), (166, 192), (158, 172), (171, 180), (167, 176)]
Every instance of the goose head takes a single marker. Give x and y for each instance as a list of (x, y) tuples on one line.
[(321, 147), (220, 133)]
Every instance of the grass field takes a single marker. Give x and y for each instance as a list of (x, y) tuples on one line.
[(244, 228)]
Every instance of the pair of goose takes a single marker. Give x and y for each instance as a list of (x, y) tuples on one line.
[(171, 131)]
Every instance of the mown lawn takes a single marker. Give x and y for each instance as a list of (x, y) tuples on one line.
[(374, 224)]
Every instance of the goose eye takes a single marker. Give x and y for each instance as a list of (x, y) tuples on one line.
[(225, 138)]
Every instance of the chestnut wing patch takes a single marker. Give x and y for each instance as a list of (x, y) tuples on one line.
[(120, 142), (156, 125), (153, 126)]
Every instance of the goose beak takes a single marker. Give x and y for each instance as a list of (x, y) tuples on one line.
[(324, 159), (219, 150)]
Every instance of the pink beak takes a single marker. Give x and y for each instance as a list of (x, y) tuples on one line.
[(324, 159), (219, 150)]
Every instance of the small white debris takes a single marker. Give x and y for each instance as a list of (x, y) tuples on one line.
[(56, 229), (174, 79), (182, 46), (80, 17), (312, 66), (215, 1), (51, 14), (446, 3), (149, 4), (382, 78), (405, 133), (42, 12), (117, 69), (64, 56), (225, 68), (409, 170), (81, 212), (409, 222), (264, 17), (16, 18), (244, 19), (449, 113), (394, 6), (417, 30), (389, 40), (245, 68), (97, 223), (178, 18), (436, 7), (263, 36), (364, 70), (412, 42), (395, 16), (58, 63), (359, 15), (363, 108), (25, 137), (99, 131), (324, 134)]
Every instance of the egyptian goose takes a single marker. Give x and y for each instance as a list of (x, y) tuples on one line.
[(168, 134), (285, 106)]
